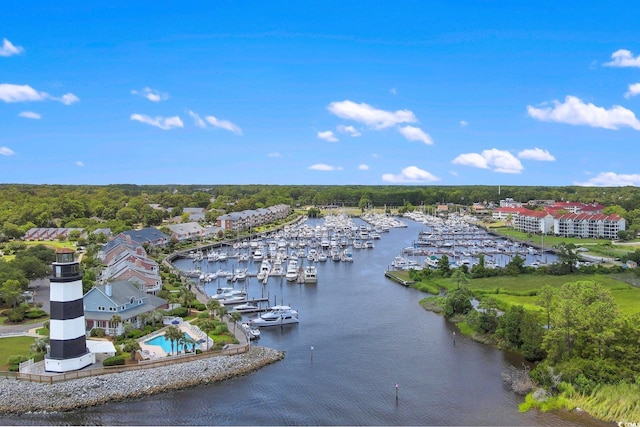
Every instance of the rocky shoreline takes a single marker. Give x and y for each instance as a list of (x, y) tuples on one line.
[(19, 397)]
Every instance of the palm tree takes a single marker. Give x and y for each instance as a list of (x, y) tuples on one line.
[(187, 340), (207, 327), (235, 317), (131, 346), (173, 334), (39, 345), (222, 311), (115, 320), (127, 328), (156, 317), (212, 306), (186, 296)]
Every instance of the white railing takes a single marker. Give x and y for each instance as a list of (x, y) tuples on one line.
[(23, 365)]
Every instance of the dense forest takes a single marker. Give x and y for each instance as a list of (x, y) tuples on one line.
[(26, 206)]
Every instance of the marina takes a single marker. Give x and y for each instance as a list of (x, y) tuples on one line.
[(358, 335)]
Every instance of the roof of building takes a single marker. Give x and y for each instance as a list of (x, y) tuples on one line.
[(145, 235), (121, 293)]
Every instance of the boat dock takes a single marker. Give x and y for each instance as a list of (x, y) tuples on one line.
[(396, 279)]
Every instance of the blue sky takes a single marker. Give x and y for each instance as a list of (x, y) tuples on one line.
[(326, 92)]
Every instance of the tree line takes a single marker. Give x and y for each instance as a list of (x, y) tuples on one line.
[(121, 206)]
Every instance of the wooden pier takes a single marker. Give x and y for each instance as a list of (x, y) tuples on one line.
[(396, 279)]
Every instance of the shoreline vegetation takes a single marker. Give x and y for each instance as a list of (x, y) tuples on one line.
[(554, 379), (20, 397)]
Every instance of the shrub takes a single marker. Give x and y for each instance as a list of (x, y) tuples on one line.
[(114, 361), (135, 333), (97, 332), (15, 361), (35, 314), (16, 315), (179, 312), (199, 306)]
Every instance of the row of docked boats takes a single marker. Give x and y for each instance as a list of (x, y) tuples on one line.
[(464, 243)]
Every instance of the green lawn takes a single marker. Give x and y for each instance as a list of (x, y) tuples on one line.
[(549, 241), (13, 346), (519, 289)]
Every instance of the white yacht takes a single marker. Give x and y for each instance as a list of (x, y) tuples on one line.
[(252, 332), (277, 315), (265, 269), (310, 274), (292, 270), (240, 274), (277, 268)]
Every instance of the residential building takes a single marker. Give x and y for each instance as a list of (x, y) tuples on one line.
[(111, 305), (186, 231), (244, 220), (589, 225), (534, 222)]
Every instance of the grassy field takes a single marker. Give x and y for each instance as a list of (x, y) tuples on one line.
[(549, 241), (13, 346), (50, 244), (519, 290)]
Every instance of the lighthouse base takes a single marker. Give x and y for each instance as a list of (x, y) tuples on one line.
[(66, 365)]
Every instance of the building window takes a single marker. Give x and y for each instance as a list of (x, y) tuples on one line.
[(100, 308)]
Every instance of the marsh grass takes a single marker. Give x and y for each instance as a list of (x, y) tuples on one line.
[(620, 402)]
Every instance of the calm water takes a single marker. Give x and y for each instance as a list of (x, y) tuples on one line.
[(368, 334)]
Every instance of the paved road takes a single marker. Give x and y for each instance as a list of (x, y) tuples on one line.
[(40, 288)]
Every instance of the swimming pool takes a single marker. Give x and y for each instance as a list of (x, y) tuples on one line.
[(166, 344)]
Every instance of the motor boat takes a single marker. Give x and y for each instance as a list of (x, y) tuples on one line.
[(246, 307), (277, 315), (252, 332), (310, 274), (292, 270)]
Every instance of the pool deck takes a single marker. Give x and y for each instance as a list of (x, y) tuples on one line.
[(156, 351)]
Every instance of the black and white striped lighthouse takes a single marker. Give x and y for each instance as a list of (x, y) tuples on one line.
[(68, 343)]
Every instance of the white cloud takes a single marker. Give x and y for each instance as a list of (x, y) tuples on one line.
[(6, 151), (536, 154), (363, 167), (164, 123), (223, 124), (471, 159), (25, 93), (499, 160), (197, 120), (413, 133), (612, 179), (79, 163), (274, 154), (324, 167), (349, 130), (634, 90), (152, 95), (327, 135), (67, 99), (623, 58), (464, 123), (410, 174), (575, 112), (30, 115), (9, 49), (454, 173), (372, 117)]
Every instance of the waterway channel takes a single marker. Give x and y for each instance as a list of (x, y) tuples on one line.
[(360, 334)]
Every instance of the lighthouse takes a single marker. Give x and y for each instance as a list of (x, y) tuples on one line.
[(68, 343)]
